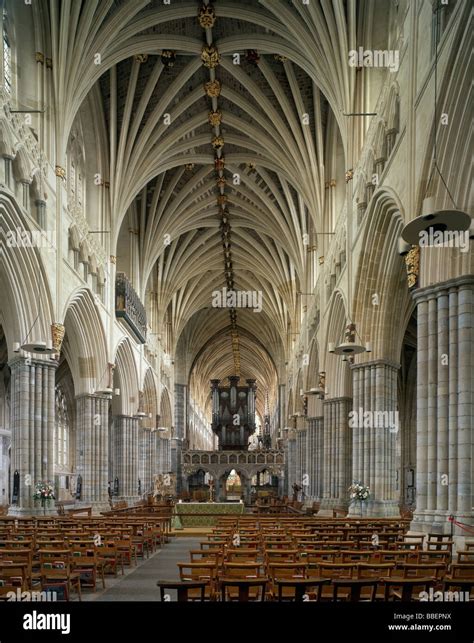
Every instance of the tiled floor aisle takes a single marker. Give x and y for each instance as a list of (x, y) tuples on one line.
[(139, 583)]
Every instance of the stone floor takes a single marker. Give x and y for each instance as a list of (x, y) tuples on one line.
[(139, 583)]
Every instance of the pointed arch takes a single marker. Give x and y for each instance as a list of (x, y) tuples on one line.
[(380, 317), (312, 373), (338, 374), (150, 398), (85, 345), (166, 416), (126, 379), (22, 272)]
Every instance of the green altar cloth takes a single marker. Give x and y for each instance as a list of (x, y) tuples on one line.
[(202, 513)]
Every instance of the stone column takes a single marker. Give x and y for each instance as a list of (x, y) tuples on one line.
[(247, 489), (92, 447), (336, 452), (310, 445), (125, 455), (282, 420), (180, 395), (315, 457), (318, 457), (175, 464), (163, 455), (32, 391), (217, 488), (291, 462), (375, 425), (41, 213), (301, 454), (25, 188), (145, 438), (445, 406)]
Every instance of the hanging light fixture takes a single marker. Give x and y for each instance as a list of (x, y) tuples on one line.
[(39, 347), (433, 220), (349, 347), (108, 375)]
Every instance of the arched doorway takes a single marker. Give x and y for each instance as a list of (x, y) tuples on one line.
[(233, 487), (264, 487), (64, 436), (198, 486)]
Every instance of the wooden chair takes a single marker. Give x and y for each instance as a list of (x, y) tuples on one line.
[(464, 555), (19, 556), (459, 585), (285, 571), (221, 540), (200, 572), (183, 590), (281, 555), (396, 556), (6, 588), (242, 570), (462, 571), (425, 556), (14, 543), (248, 589), (128, 549), (331, 544), (404, 589), (111, 558), (50, 543), (88, 566), (375, 571), (355, 556), (55, 568), (206, 556), (241, 555), (212, 546), (334, 570), (14, 574), (440, 544), (272, 543), (141, 545), (300, 589), (249, 543), (320, 555), (353, 588), (436, 570)]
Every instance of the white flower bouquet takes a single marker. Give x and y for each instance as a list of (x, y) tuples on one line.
[(44, 491), (359, 491)]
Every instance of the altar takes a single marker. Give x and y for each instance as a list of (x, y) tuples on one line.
[(203, 514)]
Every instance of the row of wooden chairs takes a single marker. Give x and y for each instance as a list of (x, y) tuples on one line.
[(308, 589), (66, 560), (379, 560)]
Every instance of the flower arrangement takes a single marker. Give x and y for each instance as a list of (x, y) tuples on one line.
[(44, 491), (359, 491)]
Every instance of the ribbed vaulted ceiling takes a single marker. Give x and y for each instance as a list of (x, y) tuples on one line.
[(233, 214)]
